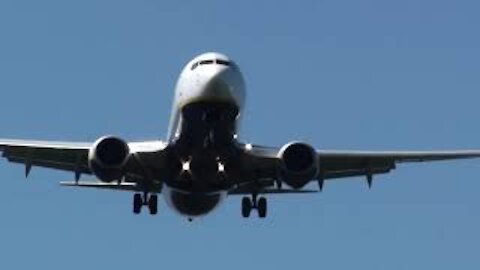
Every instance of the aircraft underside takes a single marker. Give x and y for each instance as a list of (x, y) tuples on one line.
[(204, 161)]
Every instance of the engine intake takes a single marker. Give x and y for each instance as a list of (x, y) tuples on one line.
[(299, 164), (107, 158)]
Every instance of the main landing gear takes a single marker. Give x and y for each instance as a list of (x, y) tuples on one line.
[(150, 201), (252, 203)]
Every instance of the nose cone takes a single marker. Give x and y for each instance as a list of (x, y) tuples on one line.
[(211, 77), (223, 83), (219, 83)]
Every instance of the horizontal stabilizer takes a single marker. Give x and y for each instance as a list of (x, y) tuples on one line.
[(272, 191), (125, 186)]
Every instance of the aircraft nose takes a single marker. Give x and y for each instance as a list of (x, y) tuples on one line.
[(220, 83)]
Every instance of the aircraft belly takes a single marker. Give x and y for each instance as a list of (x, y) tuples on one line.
[(206, 153), (193, 204)]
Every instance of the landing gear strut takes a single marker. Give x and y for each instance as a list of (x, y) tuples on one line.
[(246, 207), (252, 203), (145, 200), (137, 203)]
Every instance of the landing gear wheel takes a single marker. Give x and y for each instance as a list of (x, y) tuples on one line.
[(246, 207), (153, 204), (137, 203), (262, 207)]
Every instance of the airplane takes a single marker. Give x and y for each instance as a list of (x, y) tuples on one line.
[(203, 160)]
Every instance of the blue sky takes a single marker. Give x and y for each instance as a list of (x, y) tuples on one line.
[(379, 75)]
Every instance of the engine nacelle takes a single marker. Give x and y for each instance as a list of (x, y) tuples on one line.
[(298, 164), (107, 158)]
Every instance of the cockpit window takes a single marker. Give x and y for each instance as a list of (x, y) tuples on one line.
[(206, 62), (223, 62), (195, 65), (209, 62)]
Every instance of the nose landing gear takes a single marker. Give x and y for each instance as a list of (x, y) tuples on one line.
[(252, 203), (145, 200)]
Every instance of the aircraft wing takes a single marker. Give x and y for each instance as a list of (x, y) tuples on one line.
[(67, 156), (335, 164), (73, 156)]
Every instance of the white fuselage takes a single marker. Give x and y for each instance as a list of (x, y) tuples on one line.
[(215, 80)]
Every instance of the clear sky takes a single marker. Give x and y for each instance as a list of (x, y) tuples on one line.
[(367, 75)]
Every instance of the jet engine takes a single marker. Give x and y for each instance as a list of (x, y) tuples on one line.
[(298, 164), (107, 158)]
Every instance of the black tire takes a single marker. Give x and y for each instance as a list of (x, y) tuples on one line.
[(153, 204), (246, 207), (137, 203), (262, 207)]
